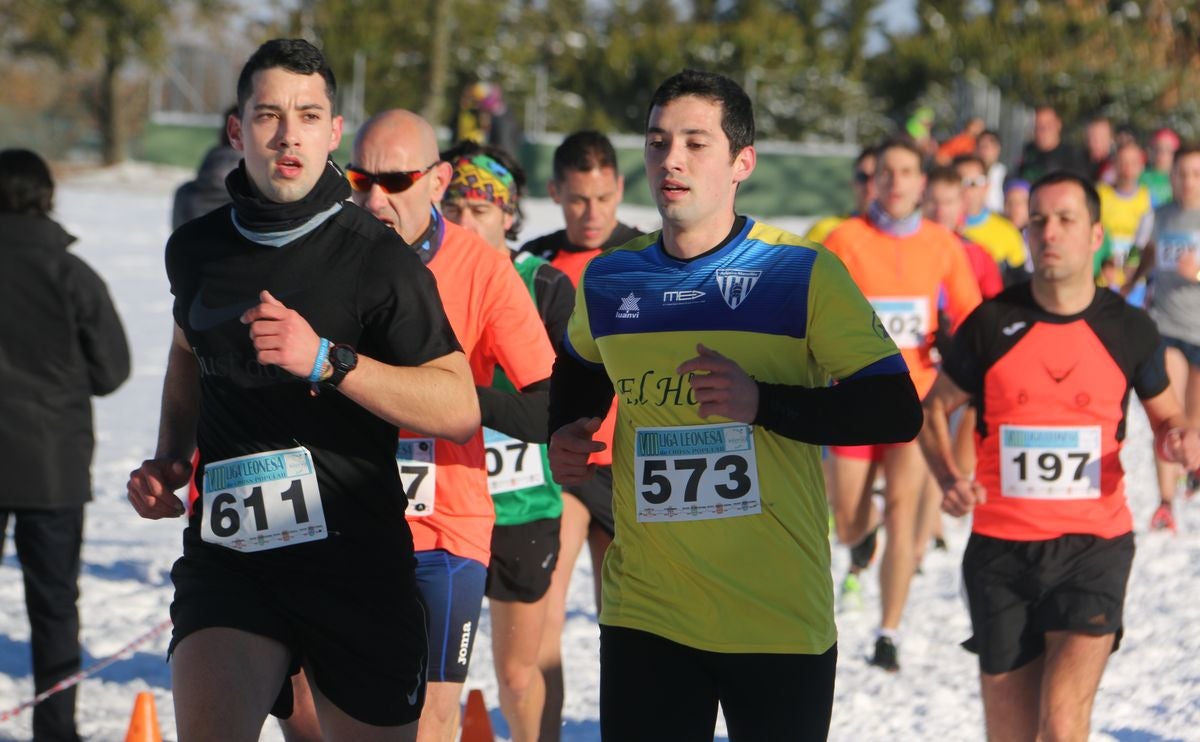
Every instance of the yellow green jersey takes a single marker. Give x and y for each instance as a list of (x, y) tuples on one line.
[(823, 228), (997, 236), (721, 527)]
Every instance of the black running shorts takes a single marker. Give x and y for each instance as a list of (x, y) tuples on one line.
[(1019, 590), (523, 559), (654, 689), (359, 629), (596, 494)]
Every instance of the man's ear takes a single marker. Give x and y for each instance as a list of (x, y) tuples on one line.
[(233, 129)]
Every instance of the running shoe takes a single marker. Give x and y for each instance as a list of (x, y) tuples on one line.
[(1163, 519), (863, 552), (851, 598), (886, 655)]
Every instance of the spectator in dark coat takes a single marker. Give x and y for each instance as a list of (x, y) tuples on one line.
[(207, 192), (60, 343)]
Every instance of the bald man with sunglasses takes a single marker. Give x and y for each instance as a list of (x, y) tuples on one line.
[(398, 177)]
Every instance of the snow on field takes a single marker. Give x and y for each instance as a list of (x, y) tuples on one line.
[(1150, 692)]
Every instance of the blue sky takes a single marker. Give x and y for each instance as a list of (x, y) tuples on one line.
[(895, 16)]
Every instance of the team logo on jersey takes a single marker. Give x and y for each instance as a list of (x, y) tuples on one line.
[(736, 285), (1012, 329), (877, 326), (629, 307), (1058, 376), (690, 296)]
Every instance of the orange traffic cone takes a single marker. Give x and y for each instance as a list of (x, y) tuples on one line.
[(143, 724), (477, 725)]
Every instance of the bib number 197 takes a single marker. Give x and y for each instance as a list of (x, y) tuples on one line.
[(1050, 463)]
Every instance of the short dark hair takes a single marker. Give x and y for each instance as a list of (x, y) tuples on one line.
[(467, 148), (583, 152), (1090, 196), (870, 150), (991, 133), (737, 114), (969, 158), (293, 55), (26, 186), (1185, 150), (943, 174), (904, 142), (1130, 143)]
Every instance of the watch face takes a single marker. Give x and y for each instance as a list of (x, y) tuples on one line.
[(343, 356)]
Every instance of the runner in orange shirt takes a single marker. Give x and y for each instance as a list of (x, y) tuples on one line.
[(397, 176), (904, 264)]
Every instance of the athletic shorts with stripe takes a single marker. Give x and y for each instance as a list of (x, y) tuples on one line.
[(452, 590)]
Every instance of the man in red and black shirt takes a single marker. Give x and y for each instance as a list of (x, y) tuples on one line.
[(1049, 365)]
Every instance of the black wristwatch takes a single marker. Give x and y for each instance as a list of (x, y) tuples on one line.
[(343, 359)]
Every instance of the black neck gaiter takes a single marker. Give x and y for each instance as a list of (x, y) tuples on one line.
[(258, 214)]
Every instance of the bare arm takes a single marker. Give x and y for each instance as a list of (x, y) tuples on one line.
[(151, 486), (1173, 440), (436, 398), (959, 494)]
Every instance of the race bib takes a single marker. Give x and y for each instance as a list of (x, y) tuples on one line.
[(1121, 248), (906, 319), (511, 464), (1050, 463), (697, 472), (262, 501), (417, 461), (1172, 246)]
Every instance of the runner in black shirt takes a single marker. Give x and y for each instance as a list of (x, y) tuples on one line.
[(305, 334)]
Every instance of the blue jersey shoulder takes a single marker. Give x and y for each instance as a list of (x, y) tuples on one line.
[(758, 282)]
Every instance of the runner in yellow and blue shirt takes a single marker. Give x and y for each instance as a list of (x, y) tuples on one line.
[(718, 337)]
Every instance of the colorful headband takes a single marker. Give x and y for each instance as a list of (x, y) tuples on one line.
[(482, 178)]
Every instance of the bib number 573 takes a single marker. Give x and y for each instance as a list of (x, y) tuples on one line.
[(657, 486)]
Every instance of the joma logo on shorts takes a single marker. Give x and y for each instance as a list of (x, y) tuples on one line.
[(464, 645)]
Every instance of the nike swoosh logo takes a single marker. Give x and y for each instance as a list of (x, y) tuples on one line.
[(1013, 329), (416, 692), (203, 317)]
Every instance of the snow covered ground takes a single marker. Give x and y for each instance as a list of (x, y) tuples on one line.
[(1151, 691)]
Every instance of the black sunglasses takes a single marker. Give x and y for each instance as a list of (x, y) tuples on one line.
[(861, 177), (361, 180)]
